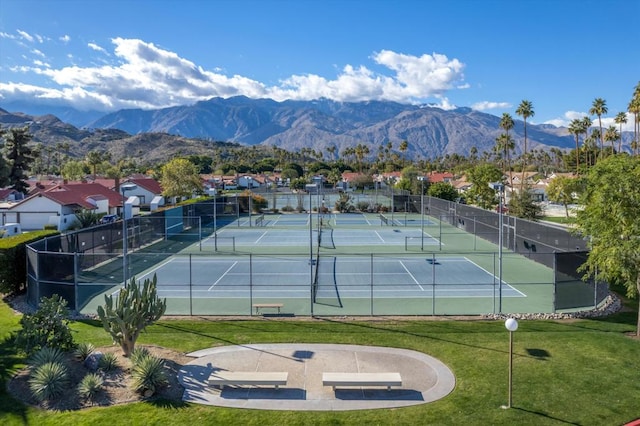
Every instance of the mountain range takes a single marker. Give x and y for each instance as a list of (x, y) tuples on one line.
[(292, 125)]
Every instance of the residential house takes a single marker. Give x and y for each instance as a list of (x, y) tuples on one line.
[(57, 205)]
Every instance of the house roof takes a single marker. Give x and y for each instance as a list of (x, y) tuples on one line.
[(82, 191), (147, 183), (4, 193)]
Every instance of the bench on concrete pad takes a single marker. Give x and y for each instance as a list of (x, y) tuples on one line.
[(361, 379), (259, 306), (240, 378)]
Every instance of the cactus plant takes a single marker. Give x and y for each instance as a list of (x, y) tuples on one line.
[(135, 309)]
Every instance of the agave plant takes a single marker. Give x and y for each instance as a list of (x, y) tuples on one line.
[(108, 362), (138, 354), (49, 380), (148, 375), (46, 355), (90, 385), (83, 350)]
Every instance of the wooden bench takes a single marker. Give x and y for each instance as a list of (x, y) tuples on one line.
[(239, 378), (361, 379), (259, 306)]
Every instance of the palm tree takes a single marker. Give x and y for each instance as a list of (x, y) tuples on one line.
[(506, 123), (525, 110), (599, 108), (403, 148), (634, 108), (575, 128), (586, 124), (612, 135), (621, 119)]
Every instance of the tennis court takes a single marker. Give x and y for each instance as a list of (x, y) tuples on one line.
[(382, 263)]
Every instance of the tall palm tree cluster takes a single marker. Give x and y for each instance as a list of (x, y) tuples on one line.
[(593, 145)]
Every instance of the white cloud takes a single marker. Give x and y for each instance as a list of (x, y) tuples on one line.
[(25, 35), (568, 116), (147, 76), (6, 35), (65, 39), (96, 48), (39, 63), (486, 105), (38, 53)]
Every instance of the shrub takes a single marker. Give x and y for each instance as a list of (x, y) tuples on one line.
[(83, 350), (49, 381), (90, 386), (108, 362), (47, 327), (46, 355), (148, 375), (287, 209), (138, 354), (50, 227)]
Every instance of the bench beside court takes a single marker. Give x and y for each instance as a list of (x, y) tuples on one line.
[(361, 379), (252, 378)]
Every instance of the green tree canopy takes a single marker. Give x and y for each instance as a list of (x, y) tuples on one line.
[(564, 190), (609, 219), (480, 193), (180, 178), (443, 190), (19, 155)]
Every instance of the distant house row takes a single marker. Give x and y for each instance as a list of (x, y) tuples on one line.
[(54, 202)]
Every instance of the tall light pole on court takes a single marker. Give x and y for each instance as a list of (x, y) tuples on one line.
[(498, 186), (421, 179), (125, 240)]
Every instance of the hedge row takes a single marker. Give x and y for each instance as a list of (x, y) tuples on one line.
[(13, 260)]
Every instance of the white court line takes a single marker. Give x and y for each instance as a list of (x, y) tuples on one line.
[(367, 220), (509, 285), (223, 275), (411, 275), (381, 239), (261, 237)]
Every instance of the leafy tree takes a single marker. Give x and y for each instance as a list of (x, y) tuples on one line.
[(289, 174), (20, 157), (443, 190), (298, 183), (362, 181), (609, 220), (480, 193), (180, 178), (73, 170), (344, 204), (295, 167), (563, 190), (523, 205), (46, 327), (135, 309), (576, 128), (202, 162)]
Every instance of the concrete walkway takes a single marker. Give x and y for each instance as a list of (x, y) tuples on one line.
[(424, 378)]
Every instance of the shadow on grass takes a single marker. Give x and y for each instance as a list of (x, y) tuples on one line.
[(168, 404), (9, 362), (545, 415)]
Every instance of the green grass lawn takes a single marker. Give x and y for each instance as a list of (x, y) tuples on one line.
[(560, 219), (565, 372)]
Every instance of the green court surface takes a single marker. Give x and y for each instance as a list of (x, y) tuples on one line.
[(329, 264)]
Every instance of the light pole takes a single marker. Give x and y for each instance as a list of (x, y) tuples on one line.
[(497, 186), (125, 240), (421, 179), (250, 184), (512, 325)]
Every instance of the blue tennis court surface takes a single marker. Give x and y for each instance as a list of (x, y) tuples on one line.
[(337, 277), (256, 237)]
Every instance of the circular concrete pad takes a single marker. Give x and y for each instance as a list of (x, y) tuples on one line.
[(424, 378)]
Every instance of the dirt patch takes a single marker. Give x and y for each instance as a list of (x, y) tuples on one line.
[(117, 387)]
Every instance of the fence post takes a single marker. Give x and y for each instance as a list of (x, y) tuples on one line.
[(75, 281), (190, 285), (371, 283)]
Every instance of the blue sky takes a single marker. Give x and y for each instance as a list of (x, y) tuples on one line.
[(485, 54)]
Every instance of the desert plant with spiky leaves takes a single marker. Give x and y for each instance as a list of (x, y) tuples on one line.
[(49, 380), (136, 308)]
